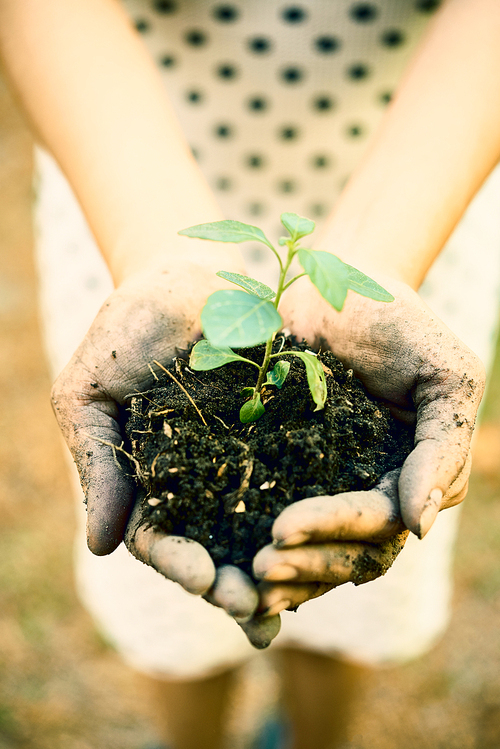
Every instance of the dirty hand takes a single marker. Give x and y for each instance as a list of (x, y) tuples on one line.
[(145, 319), (407, 357)]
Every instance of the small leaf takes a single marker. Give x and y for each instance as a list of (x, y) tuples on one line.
[(227, 231), (205, 356), (235, 318), (249, 284), (283, 240), (328, 273), (298, 226), (366, 286), (315, 377), (252, 410), (277, 375), (248, 392)]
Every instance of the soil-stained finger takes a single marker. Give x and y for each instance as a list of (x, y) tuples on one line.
[(273, 597), (369, 515), (93, 436), (234, 592), (335, 563), (177, 558), (433, 477), (261, 630)]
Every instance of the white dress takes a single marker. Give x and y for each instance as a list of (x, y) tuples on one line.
[(279, 101)]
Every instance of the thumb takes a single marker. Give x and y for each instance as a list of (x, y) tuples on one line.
[(89, 422), (433, 476)]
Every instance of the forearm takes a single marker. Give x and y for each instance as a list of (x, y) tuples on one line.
[(97, 103), (437, 144)]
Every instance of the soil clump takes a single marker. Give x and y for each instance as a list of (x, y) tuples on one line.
[(222, 483)]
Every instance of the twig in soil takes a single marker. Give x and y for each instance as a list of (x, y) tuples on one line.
[(182, 388), (153, 465), (153, 372), (143, 395), (219, 419), (231, 500), (121, 449)]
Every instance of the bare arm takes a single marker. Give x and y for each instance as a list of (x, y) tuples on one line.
[(438, 142), (97, 102)]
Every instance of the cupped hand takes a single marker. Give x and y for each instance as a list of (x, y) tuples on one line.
[(323, 542), (144, 320), (409, 359)]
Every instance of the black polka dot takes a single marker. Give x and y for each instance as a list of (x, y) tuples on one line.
[(195, 153), (363, 12), (227, 72), (168, 61), (392, 38), (256, 209), (316, 209), (292, 74), (194, 97), (165, 6), (142, 26), (255, 161), (260, 45), (257, 104), (225, 13), (358, 71), (294, 14), (323, 103), (355, 131), (195, 38), (427, 6), (385, 97), (223, 131), (320, 161), (288, 133), (327, 44), (223, 183), (257, 254), (287, 186)]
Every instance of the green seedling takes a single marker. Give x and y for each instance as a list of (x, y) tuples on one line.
[(248, 316)]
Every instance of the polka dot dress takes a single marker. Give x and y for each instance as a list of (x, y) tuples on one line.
[(279, 99)]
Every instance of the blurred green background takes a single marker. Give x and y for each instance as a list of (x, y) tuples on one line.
[(62, 686)]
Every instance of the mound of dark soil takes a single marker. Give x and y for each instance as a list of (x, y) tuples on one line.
[(221, 482)]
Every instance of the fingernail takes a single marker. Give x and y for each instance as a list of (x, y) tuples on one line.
[(294, 539), (277, 607), (281, 572), (430, 511)]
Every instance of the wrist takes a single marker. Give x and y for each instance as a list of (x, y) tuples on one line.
[(379, 248), (177, 256)]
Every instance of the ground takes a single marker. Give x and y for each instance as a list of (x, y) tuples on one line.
[(63, 687)]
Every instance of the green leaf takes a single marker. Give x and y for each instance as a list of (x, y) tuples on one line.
[(298, 226), (366, 286), (277, 375), (315, 377), (248, 391), (235, 318), (227, 231), (328, 273), (249, 284), (252, 410), (205, 356)]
